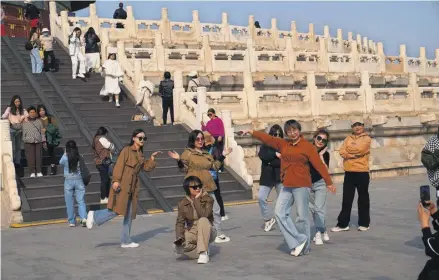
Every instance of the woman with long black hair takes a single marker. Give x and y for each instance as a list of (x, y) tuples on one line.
[(92, 55), (35, 58), (103, 148), (53, 137), (16, 115), (125, 189), (270, 176), (73, 184)]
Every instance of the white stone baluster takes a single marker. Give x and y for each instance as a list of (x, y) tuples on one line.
[(178, 95), (314, 96)]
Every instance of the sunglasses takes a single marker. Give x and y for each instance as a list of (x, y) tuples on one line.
[(209, 115), (141, 139), (199, 139), (321, 139), (196, 187)]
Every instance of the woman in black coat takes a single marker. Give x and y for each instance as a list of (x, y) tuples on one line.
[(270, 176), (92, 52)]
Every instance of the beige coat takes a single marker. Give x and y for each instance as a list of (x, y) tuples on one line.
[(126, 172), (359, 146), (194, 163)]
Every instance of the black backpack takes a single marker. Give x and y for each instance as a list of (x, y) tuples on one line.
[(167, 87), (121, 14)]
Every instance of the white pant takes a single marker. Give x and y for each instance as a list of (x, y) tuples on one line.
[(78, 58), (93, 61)]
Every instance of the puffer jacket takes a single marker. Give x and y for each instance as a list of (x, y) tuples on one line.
[(91, 43)]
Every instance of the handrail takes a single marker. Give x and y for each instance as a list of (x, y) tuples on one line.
[(145, 180), (6, 65), (34, 83)]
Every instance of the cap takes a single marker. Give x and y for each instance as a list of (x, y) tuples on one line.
[(193, 73), (45, 30), (357, 120)]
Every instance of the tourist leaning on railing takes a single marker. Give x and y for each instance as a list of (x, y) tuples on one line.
[(16, 115), (33, 139)]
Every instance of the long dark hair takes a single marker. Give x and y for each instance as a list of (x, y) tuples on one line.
[(41, 106), (277, 131), (134, 134), (73, 32), (72, 155), (193, 137), (90, 32), (100, 132), (13, 108), (32, 31)]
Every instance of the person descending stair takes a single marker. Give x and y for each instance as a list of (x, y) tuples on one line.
[(113, 73), (33, 138), (76, 55)]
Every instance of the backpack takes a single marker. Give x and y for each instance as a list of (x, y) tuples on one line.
[(167, 88), (430, 160), (28, 46), (85, 173)]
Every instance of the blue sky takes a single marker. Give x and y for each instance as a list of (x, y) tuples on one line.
[(415, 24)]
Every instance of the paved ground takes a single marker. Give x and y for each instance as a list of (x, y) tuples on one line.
[(391, 250)]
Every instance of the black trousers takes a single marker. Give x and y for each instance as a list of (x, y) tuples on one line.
[(168, 103), (51, 152), (430, 271), (52, 65), (355, 181), (219, 198), (105, 179)]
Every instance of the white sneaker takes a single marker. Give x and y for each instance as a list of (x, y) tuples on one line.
[(80, 75), (318, 238), (130, 245), (117, 105), (339, 229), (40, 174), (298, 250), (74, 77), (32, 175), (203, 258), (90, 219), (269, 224), (325, 236), (361, 228), (222, 238), (72, 225), (110, 98), (104, 201), (224, 218), (84, 222)]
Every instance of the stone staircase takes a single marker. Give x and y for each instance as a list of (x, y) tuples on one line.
[(67, 99)]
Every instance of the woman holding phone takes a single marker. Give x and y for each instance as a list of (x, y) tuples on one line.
[(125, 189)]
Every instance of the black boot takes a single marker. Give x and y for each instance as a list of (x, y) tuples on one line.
[(53, 170)]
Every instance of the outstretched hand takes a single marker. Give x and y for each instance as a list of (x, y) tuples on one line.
[(174, 155), (155, 154), (227, 151)]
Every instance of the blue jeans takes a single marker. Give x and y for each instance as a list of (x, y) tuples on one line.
[(74, 185), (216, 215), (317, 204), (264, 192), (104, 215), (294, 234), (36, 61)]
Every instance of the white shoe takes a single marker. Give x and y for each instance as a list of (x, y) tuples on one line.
[(74, 77), (203, 258), (117, 104), (361, 228), (269, 224), (110, 98), (298, 250), (40, 174), (325, 236), (80, 75), (72, 225), (90, 219), (104, 201), (224, 218), (318, 238), (130, 245), (32, 175), (339, 229), (222, 239)]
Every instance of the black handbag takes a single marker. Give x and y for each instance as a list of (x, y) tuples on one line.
[(85, 173)]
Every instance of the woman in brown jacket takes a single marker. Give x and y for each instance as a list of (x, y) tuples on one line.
[(125, 190), (195, 161), (193, 228)]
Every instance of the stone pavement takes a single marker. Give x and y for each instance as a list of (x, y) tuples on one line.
[(391, 250)]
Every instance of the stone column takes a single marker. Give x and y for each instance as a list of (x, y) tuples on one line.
[(226, 117), (350, 37), (382, 57), (274, 33), (403, 56), (290, 54), (415, 92), (323, 53), (423, 59), (250, 95), (208, 57), (94, 20), (53, 15), (65, 27), (225, 27), (326, 33), (314, 96), (165, 25), (340, 36), (294, 36), (355, 55), (160, 52), (359, 45), (370, 44), (178, 94), (105, 40), (251, 56), (202, 106), (436, 55), (197, 25), (6, 143), (369, 97), (251, 27), (311, 33), (365, 44), (131, 24)]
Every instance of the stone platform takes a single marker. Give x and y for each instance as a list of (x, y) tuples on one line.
[(391, 250)]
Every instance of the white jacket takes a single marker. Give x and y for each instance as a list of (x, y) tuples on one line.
[(75, 45)]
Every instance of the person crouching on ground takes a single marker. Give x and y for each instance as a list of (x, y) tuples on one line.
[(193, 229), (113, 73)]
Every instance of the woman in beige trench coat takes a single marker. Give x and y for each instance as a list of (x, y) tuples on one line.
[(125, 189)]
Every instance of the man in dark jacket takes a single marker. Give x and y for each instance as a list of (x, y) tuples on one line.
[(270, 177), (32, 13), (166, 90), (120, 14), (431, 241)]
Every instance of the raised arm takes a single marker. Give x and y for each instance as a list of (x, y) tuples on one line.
[(274, 142)]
